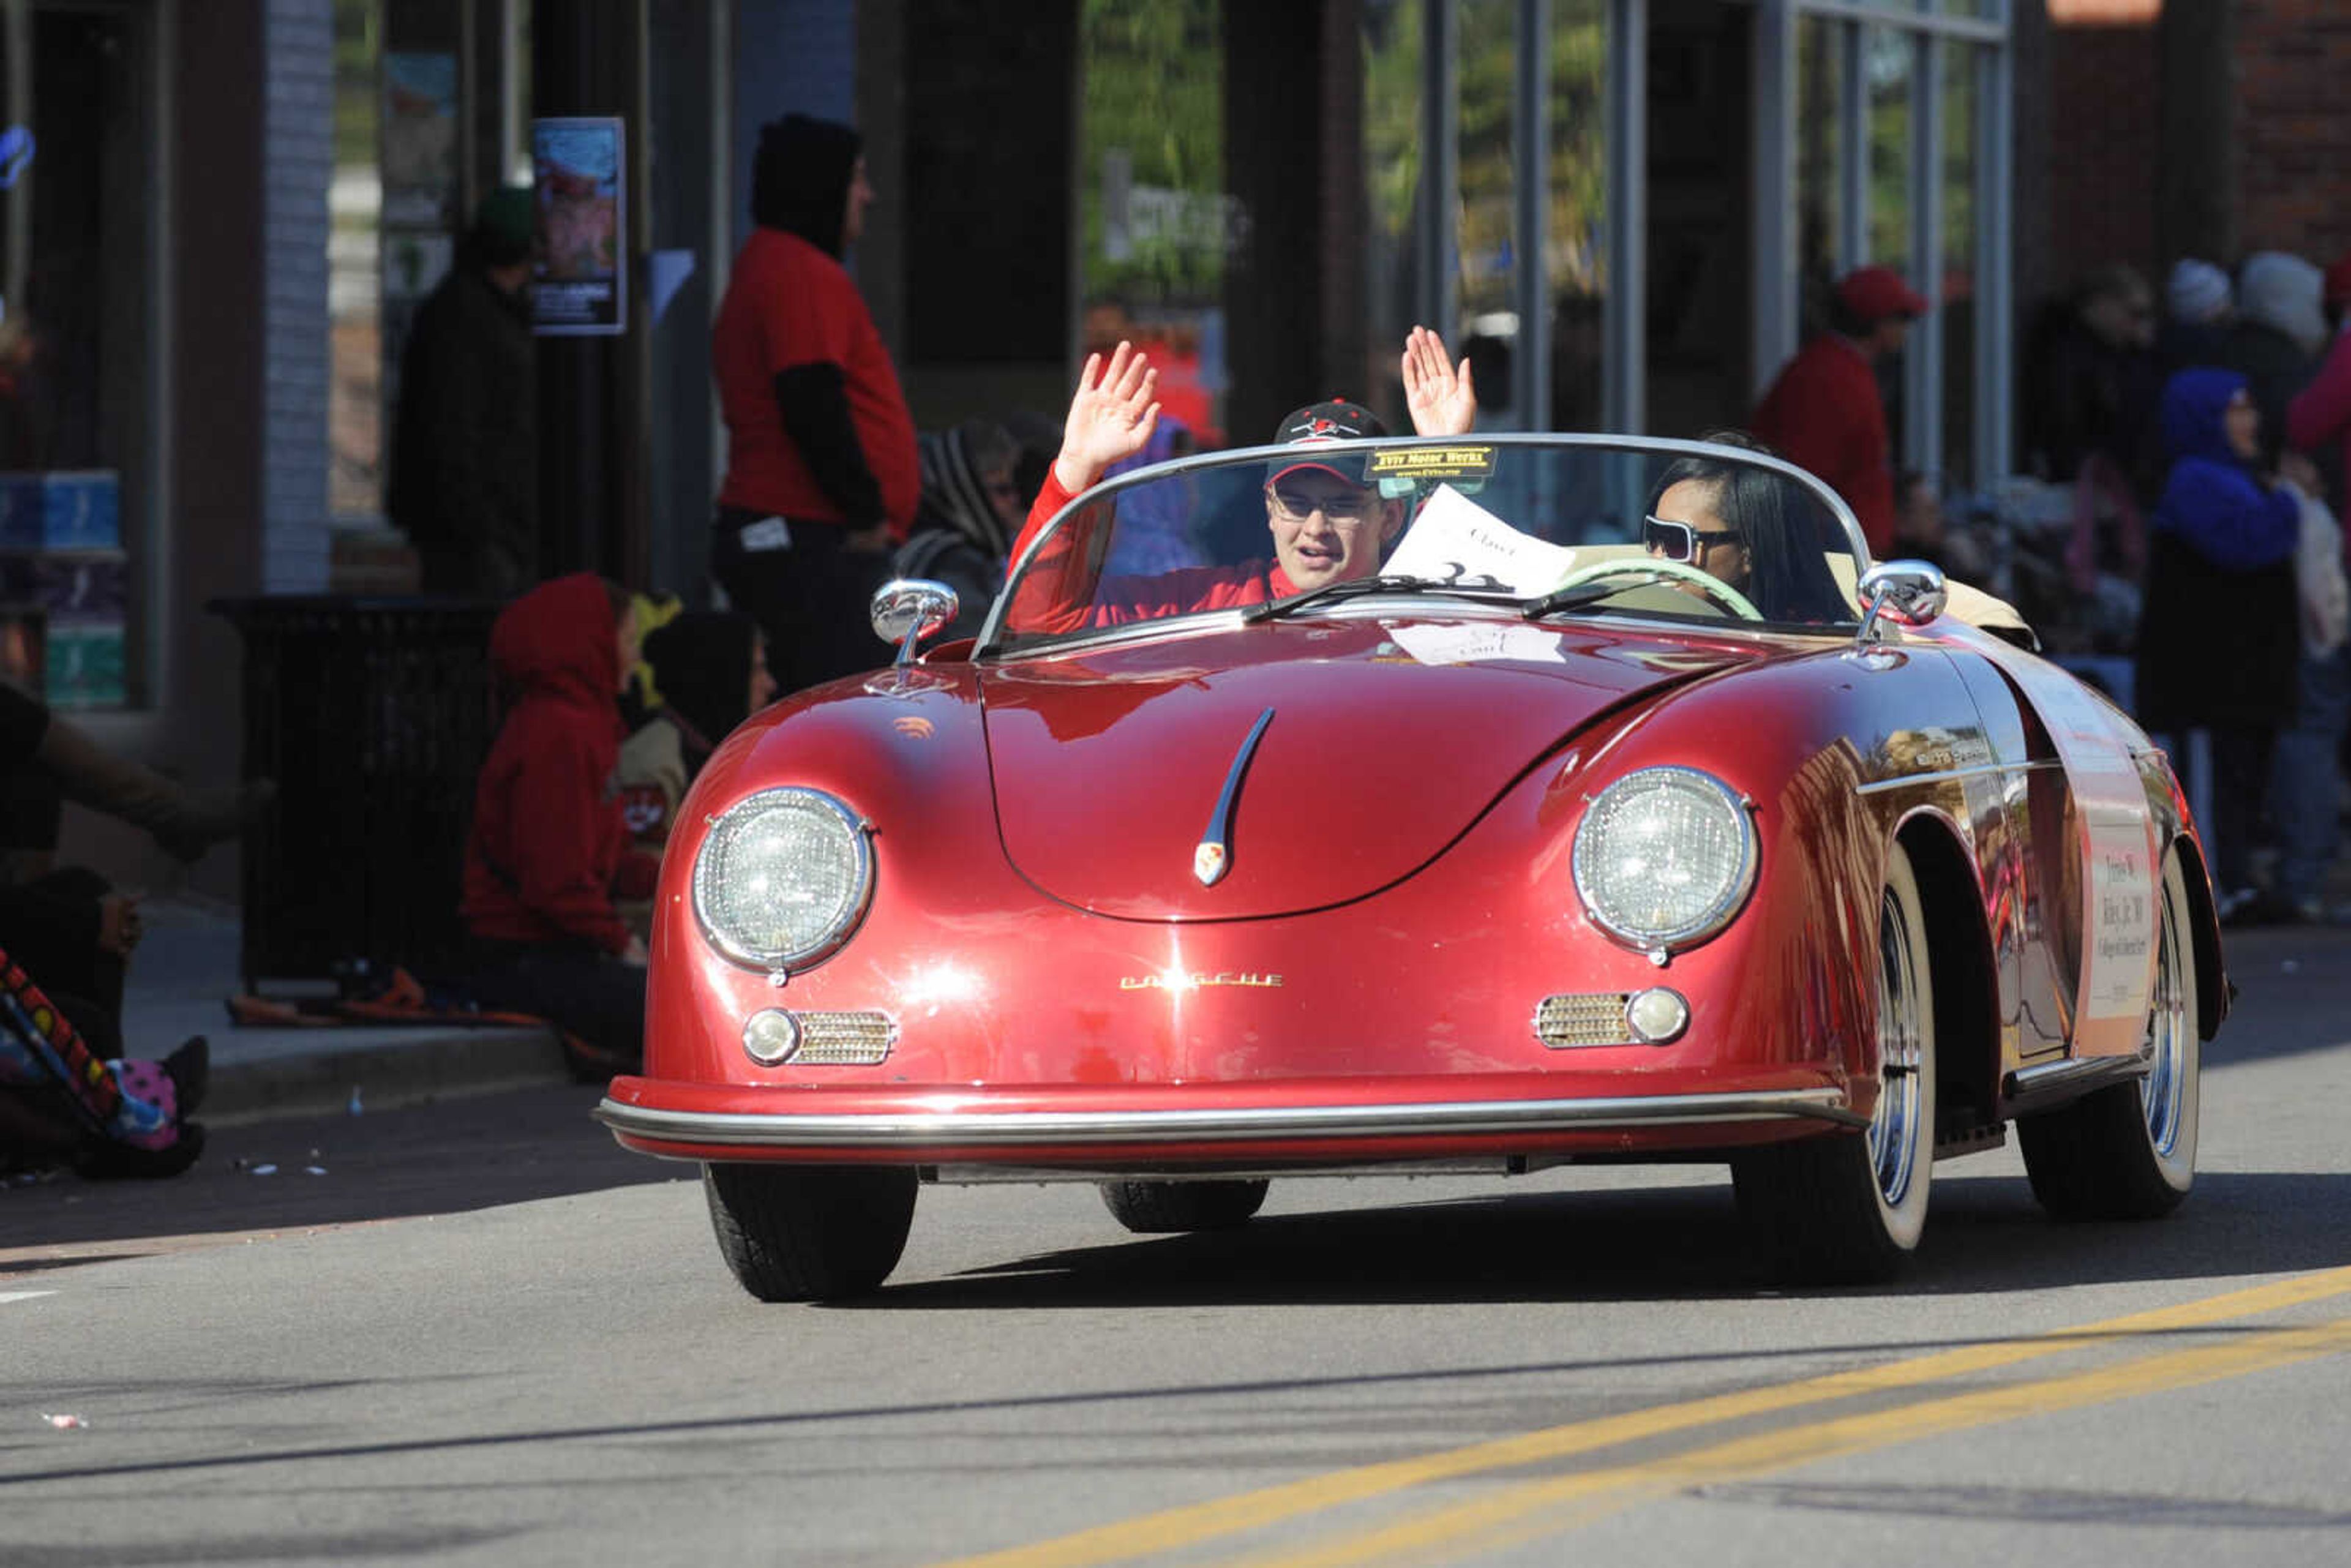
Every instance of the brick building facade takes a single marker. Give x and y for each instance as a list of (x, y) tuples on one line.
[(2193, 129)]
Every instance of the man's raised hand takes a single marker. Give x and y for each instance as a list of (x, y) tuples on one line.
[(1442, 400), (1111, 417)]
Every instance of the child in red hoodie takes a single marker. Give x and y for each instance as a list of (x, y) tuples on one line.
[(549, 848)]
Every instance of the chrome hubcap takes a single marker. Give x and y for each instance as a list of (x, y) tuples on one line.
[(1893, 1125), (2164, 1088)]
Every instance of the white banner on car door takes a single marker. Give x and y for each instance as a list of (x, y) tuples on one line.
[(2122, 867)]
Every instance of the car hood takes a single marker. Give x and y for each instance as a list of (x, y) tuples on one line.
[(1387, 739)]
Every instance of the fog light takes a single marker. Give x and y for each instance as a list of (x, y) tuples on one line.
[(770, 1035), (1657, 1016)]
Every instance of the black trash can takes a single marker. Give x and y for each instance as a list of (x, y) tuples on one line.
[(374, 716)]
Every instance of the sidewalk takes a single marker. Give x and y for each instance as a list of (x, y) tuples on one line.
[(186, 968)]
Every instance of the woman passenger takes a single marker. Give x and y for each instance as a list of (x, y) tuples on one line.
[(1748, 527)]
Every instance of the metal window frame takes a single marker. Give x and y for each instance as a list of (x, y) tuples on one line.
[(1922, 366), (1995, 133), (1531, 215), (1853, 151), (1625, 307), (1776, 320), (1437, 246), (1776, 324)]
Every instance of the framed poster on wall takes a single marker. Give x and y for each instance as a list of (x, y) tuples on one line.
[(579, 192)]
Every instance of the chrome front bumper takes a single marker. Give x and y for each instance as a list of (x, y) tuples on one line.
[(1028, 1129)]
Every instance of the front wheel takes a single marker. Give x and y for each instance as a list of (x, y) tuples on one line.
[(1848, 1209), (1157, 1207), (2129, 1151), (810, 1233)]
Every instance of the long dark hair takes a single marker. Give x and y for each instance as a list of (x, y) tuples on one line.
[(1787, 576)]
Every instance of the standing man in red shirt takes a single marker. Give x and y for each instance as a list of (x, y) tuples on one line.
[(1823, 412), (823, 475)]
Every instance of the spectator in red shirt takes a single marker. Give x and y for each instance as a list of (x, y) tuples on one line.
[(822, 475), (1823, 412)]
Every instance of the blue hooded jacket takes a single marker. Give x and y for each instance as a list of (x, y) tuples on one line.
[(2210, 498)]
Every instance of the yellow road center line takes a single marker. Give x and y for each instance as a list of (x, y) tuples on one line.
[(1529, 1510), (1191, 1523)]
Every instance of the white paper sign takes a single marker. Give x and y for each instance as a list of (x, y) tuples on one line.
[(1478, 643), (1456, 541), (2122, 869)]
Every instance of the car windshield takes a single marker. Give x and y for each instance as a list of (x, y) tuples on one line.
[(1536, 526)]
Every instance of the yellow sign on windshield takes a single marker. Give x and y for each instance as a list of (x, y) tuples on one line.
[(1431, 463)]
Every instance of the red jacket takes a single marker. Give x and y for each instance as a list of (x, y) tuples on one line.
[(1060, 590), (2320, 412), (1823, 413), (548, 835), (789, 304)]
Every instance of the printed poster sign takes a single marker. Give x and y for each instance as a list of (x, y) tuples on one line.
[(420, 141), (580, 194)]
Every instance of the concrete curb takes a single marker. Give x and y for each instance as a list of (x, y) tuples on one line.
[(318, 1072)]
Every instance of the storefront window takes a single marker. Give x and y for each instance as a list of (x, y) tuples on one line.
[(1158, 224), (1887, 57), (76, 179), (1393, 143), (1819, 162), (1699, 262), (355, 388), (1486, 303), (1576, 249)]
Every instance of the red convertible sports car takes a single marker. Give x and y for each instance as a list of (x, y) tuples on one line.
[(1418, 805)]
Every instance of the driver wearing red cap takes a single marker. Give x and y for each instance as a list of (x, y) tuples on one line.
[(1327, 524)]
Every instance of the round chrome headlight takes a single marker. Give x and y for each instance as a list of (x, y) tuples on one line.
[(1664, 857), (783, 878)]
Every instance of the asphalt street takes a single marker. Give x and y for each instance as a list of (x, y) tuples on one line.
[(479, 1333)]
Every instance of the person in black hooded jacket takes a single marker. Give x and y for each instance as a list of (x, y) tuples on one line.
[(822, 476), (464, 444)]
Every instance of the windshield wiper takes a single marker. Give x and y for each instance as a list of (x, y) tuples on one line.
[(1575, 598), (1358, 588)]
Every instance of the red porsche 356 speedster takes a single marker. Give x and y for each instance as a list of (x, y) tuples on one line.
[(1478, 805)]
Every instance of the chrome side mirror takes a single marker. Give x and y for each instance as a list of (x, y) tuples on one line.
[(905, 610), (1912, 589)]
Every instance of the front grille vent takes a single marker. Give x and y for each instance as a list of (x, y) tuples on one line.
[(1567, 1021), (846, 1039)]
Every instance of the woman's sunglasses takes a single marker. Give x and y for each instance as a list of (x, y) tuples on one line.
[(1680, 542)]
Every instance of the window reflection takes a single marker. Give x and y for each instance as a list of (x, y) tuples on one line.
[(355, 388), (1887, 57), (1576, 249), (74, 366), (1820, 182), (1158, 224), (1392, 141)]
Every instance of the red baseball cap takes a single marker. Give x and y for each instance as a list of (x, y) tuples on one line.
[(1873, 293), (1326, 424)]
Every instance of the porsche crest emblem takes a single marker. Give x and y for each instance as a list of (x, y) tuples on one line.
[(1209, 864)]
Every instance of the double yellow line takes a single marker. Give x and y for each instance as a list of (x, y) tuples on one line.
[(1535, 1507)]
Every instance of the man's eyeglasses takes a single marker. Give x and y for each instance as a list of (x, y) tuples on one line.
[(1344, 509), (1681, 542)]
